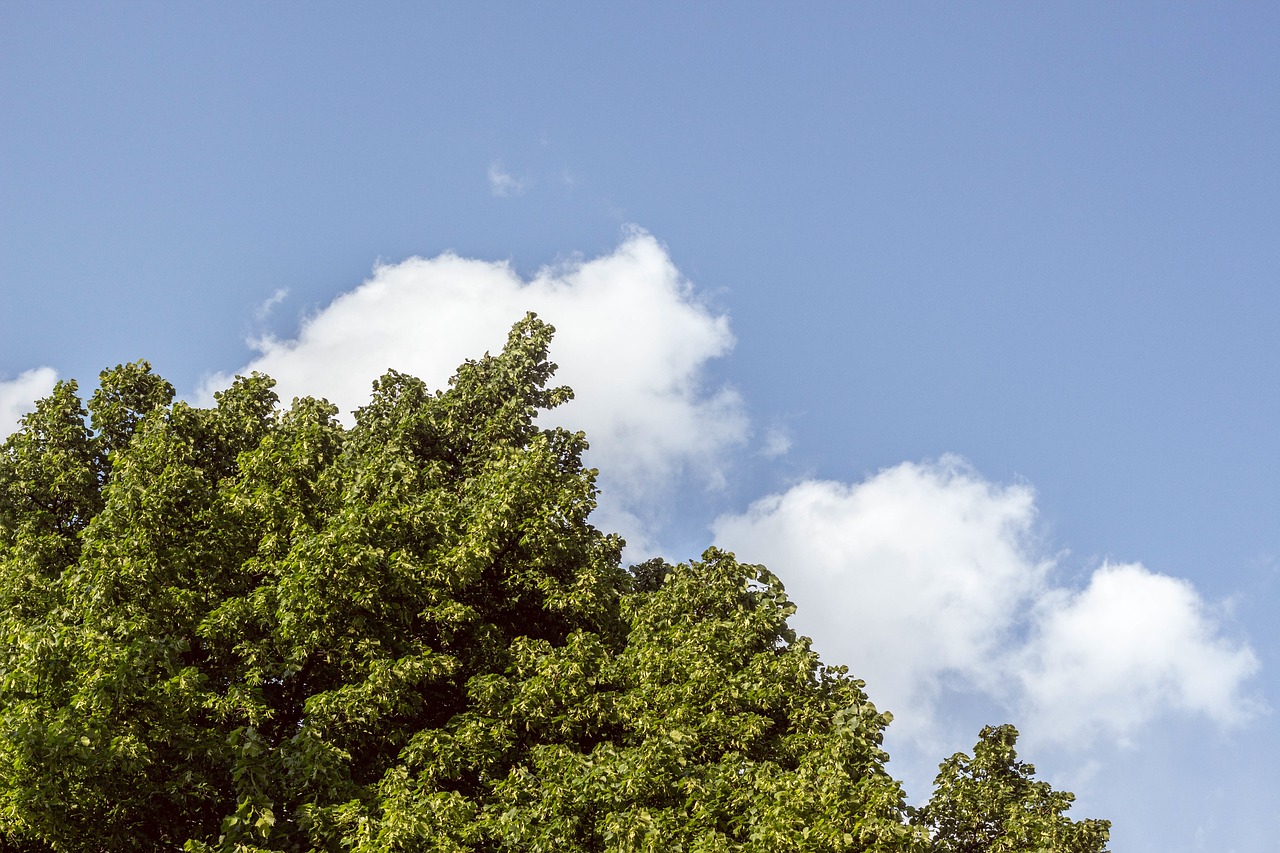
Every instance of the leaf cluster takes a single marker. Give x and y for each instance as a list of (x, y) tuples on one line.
[(991, 803)]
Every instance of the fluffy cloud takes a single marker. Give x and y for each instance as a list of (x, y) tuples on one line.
[(909, 577), (632, 339), (18, 396), (1130, 643), (927, 579)]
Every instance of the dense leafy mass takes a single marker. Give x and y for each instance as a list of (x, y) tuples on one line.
[(249, 628), (990, 803)]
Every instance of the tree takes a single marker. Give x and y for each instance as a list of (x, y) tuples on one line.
[(990, 804), (249, 629)]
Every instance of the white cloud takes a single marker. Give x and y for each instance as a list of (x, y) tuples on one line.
[(927, 579), (1126, 647), (503, 184), (632, 340), (18, 396), (264, 309)]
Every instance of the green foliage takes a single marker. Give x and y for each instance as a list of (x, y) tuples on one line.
[(247, 628), (713, 728), (990, 804)]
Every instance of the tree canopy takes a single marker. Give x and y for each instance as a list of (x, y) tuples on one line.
[(990, 803), (248, 628)]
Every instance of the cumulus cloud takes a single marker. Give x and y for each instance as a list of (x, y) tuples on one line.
[(18, 396), (930, 581), (503, 184), (632, 339), (1131, 643)]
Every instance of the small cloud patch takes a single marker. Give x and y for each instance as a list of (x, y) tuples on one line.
[(503, 184)]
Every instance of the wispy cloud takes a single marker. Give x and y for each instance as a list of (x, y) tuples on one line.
[(777, 442), (18, 396), (633, 339), (264, 309), (503, 184)]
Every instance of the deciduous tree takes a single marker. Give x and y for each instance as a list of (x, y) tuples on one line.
[(247, 628)]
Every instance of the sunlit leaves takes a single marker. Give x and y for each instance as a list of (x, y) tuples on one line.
[(990, 803)]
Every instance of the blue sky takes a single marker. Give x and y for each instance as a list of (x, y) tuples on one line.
[(981, 299)]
